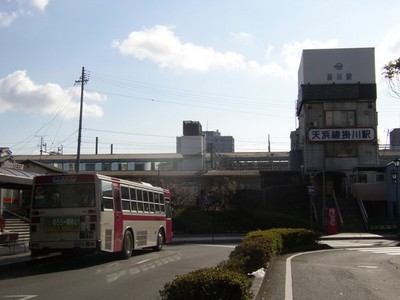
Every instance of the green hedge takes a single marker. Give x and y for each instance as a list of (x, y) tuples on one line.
[(284, 239), (253, 253), (228, 280), (208, 283)]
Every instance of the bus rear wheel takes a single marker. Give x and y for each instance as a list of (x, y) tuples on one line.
[(127, 245), (160, 241)]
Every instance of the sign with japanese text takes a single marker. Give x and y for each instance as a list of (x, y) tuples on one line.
[(341, 134), (13, 165)]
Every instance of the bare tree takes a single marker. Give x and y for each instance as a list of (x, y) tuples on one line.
[(391, 71)]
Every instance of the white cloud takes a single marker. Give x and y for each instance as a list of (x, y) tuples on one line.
[(291, 52), (287, 64), (7, 18), (160, 45), (19, 9), (40, 4), (20, 93), (242, 36), (268, 51), (388, 49)]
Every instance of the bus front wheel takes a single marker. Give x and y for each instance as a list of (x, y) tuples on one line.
[(160, 241), (127, 245)]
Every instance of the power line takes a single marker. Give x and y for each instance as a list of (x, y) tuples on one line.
[(202, 97), (129, 133)]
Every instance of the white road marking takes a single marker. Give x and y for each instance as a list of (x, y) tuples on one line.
[(379, 250), (288, 276), (220, 246), (21, 297), (143, 261), (368, 267)]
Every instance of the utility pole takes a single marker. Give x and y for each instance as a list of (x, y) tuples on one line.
[(82, 80), (42, 144)]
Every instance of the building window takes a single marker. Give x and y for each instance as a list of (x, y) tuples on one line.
[(139, 166), (341, 149), (340, 118), (380, 177), (89, 167)]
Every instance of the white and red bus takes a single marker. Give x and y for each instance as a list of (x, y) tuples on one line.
[(92, 212)]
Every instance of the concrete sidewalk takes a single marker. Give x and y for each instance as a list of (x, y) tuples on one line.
[(359, 235), (14, 253)]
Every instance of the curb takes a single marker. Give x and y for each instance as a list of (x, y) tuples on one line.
[(360, 236)]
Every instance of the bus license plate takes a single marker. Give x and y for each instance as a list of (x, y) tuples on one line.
[(58, 224)]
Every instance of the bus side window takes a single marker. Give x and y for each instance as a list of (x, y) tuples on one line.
[(140, 200), (151, 201), (146, 201), (157, 202), (126, 202), (162, 203), (133, 200), (107, 199)]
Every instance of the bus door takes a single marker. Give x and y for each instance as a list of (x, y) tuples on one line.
[(118, 217)]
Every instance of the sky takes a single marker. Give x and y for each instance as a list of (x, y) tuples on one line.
[(150, 65)]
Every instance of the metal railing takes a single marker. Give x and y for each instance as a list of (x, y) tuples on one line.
[(16, 215), (337, 208), (363, 211)]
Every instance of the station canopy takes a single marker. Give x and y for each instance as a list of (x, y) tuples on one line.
[(16, 179)]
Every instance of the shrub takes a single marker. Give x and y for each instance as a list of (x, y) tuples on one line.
[(283, 239), (258, 247), (228, 280), (295, 237), (208, 283), (274, 237), (253, 252)]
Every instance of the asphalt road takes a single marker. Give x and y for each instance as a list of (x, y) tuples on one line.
[(367, 270), (107, 277)]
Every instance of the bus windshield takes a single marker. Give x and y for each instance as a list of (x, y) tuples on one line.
[(64, 196)]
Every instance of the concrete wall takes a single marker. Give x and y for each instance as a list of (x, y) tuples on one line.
[(340, 66)]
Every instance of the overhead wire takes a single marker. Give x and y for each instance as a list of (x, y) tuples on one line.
[(203, 100), (160, 94), (43, 129)]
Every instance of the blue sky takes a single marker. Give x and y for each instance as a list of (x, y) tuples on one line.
[(231, 65)]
